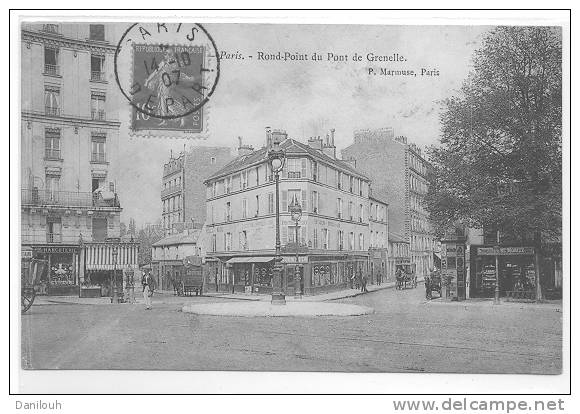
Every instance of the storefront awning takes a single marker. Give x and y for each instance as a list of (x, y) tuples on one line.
[(100, 256), (255, 259)]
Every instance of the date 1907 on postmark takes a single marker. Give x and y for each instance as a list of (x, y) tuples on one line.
[(167, 72)]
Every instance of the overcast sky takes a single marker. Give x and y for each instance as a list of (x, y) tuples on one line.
[(307, 98)]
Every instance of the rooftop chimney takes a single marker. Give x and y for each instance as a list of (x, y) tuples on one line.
[(244, 149), (268, 137), (315, 143)]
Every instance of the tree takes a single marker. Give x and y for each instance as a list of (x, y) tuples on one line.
[(499, 162), (148, 235)]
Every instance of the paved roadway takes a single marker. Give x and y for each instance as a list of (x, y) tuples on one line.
[(405, 334)]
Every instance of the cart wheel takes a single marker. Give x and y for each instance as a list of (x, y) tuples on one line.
[(26, 299)]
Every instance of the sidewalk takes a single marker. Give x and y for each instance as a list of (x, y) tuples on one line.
[(340, 294), (555, 305)]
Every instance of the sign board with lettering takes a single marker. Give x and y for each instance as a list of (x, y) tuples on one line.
[(505, 251)]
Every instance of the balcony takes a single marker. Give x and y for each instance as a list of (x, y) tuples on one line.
[(51, 111), (98, 76), (167, 192), (293, 174), (53, 238), (98, 158), (41, 197), (52, 70), (52, 154), (98, 115)]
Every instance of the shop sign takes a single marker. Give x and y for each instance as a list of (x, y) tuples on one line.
[(505, 251), (27, 254), (55, 249)]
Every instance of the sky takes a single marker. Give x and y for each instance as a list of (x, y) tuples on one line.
[(307, 98)]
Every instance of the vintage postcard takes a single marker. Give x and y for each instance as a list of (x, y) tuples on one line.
[(291, 197)]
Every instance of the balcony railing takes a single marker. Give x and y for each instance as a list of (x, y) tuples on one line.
[(53, 238), (98, 157), (170, 190), (51, 111), (52, 154), (41, 197), (293, 174), (98, 76), (53, 70), (98, 115)]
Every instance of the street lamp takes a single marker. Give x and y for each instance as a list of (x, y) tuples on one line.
[(296, 214), (114, 296), (277, 159)]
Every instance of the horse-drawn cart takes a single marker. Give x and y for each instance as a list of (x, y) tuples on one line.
[(191, 281), (405, 276), (30, 277)]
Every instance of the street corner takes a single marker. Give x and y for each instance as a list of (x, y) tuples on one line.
[(266, 309)]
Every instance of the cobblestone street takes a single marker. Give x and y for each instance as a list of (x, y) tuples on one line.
[(405, 334)]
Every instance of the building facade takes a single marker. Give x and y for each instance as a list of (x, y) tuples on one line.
[(69, 159), (333, 234), (378, 240), (183, 189), (399, 175)]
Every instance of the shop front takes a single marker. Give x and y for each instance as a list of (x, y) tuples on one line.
[(249, 274), (512, 268), (58, 267), (333, 272)]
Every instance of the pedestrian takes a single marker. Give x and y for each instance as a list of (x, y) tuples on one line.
[(360, 280), (364, 282), (353, 284), (148, 287), (428, 294)]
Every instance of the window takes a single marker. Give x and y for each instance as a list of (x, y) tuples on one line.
[(360, 213), (50, 28), (98, 68), (339, 180), (315, 201), (314, 170), (325, 239), (290, 194), (53, 230), (52, 188), (228, 184), (258, 175), (340, 240), (214, 242), (257, 205), (98, 105), (212, 160), (51, 61), (270, 203), (243, 239), (339, 207), (228, 242), (97, 32), (98, 149), (296, 167), (351, 182), (228, 211), (315, 238), (350, 210), (214, 189), (99, 229), (351, 241), (51, 101), (52, 143), (244, 179), (361, 241), (244, 208)]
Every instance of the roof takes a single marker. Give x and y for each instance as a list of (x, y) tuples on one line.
[(395, 238), (375, 198), (180, 238), (292, 147)]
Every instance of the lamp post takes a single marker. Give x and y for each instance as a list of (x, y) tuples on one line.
[(296, 214), (114, 296), (277, 158)]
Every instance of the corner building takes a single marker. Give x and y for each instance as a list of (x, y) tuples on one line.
[(70, 227), (333, 233)]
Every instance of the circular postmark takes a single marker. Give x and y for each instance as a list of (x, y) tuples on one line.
[(166, 71)]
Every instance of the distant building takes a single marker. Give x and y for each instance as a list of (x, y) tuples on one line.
[(399, 175), (378, 239), (398, 254), (183, 191), (70, 227), (334, 232)]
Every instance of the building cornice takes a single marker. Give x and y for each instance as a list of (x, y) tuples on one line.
[(69, 120), (55, 39)]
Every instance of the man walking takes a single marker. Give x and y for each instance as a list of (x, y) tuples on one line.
[(148, 288)]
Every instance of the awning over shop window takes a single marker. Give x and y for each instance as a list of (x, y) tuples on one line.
[(256, 259), (99, 256)]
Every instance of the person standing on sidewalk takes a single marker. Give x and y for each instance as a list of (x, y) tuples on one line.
[(148, 288)]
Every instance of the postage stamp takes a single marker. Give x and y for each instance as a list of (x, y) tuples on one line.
[(167, 73)]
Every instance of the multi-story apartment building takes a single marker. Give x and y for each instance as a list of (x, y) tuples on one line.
[(378, 239), (333, 233), (69, 158), (399, 175), (183, 188)]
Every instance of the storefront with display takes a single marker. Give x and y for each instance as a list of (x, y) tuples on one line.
[(512, 268), (59, 267)]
